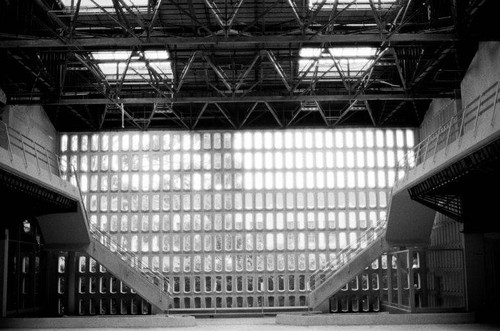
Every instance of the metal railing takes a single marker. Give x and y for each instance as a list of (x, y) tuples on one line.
[(346, 255), (34, 153), (131, 259), (31, 152), (463, 122)]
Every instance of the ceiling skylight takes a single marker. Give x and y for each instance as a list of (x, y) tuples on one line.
[(89, 5), (114, 63), (351, 4), (325, 64)]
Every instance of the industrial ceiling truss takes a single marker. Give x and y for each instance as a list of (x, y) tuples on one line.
[(231, 64)]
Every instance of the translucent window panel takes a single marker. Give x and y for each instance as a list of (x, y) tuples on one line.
[(312, 262), (351, 179), (332, 240), (298, 139), (247, 140), (299, 180), (340, 179), (382, 199), (339, 139), (300, 160), (363, 223), (371, 178), (380, 158), (391, 177), (389, 135), (302, 262), (349, 139), (270, 241), (370, 159), (381, 179), (341, 220), (145, 182), (410, 138), (74, 143), (372, 199), (330, 179), (379, 138), (339, 159)]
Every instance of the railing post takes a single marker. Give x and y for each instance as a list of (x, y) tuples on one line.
[(447, 139), (495, 104), (48, 164), (9, 147), (436, 147), (425, 153), (459, 137), (59, 164), (37, 162), (24, 152), (477, 114)]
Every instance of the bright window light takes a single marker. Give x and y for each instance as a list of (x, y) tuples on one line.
[(335, 63), (113, 64), (351, 4)]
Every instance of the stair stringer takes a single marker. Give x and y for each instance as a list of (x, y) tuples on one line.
[(346, 272), (131, 277)]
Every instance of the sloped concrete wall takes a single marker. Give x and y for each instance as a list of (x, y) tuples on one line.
[(33, 122), (439, 113), (483, 71)]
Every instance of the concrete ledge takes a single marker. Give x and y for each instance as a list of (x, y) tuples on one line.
[(99, 322), (374, 319)]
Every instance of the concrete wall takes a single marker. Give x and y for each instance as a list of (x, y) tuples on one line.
[(33, 122), (440, 111), (483, 71)]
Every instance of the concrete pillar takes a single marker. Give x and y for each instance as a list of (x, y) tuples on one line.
[(4, 263), (71, 283), (474, 272)]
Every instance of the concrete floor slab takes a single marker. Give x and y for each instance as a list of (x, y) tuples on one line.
[(269, 324)]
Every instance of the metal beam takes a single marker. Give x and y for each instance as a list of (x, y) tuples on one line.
[(226, 115), (185, 71), (231, 41), (199, 115), (219, 72), (249, 112), (236, 99), (278, 68), (245, 74), (213, 8), (156, 10), (273, 112)]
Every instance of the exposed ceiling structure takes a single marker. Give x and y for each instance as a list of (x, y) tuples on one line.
[(236, 64)]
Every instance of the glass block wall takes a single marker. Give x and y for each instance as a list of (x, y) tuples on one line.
[(236, 219)]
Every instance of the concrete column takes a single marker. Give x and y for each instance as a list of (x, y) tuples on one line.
[(71, 283), (474, 272), (4, 263)]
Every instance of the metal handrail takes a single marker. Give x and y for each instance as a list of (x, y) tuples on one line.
[(131, 259), (18, 143), (453, 130), (345, 255), (436, 141)]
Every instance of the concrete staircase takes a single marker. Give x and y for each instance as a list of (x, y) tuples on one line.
[(349, 262), (28, 162), (409, 223)]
